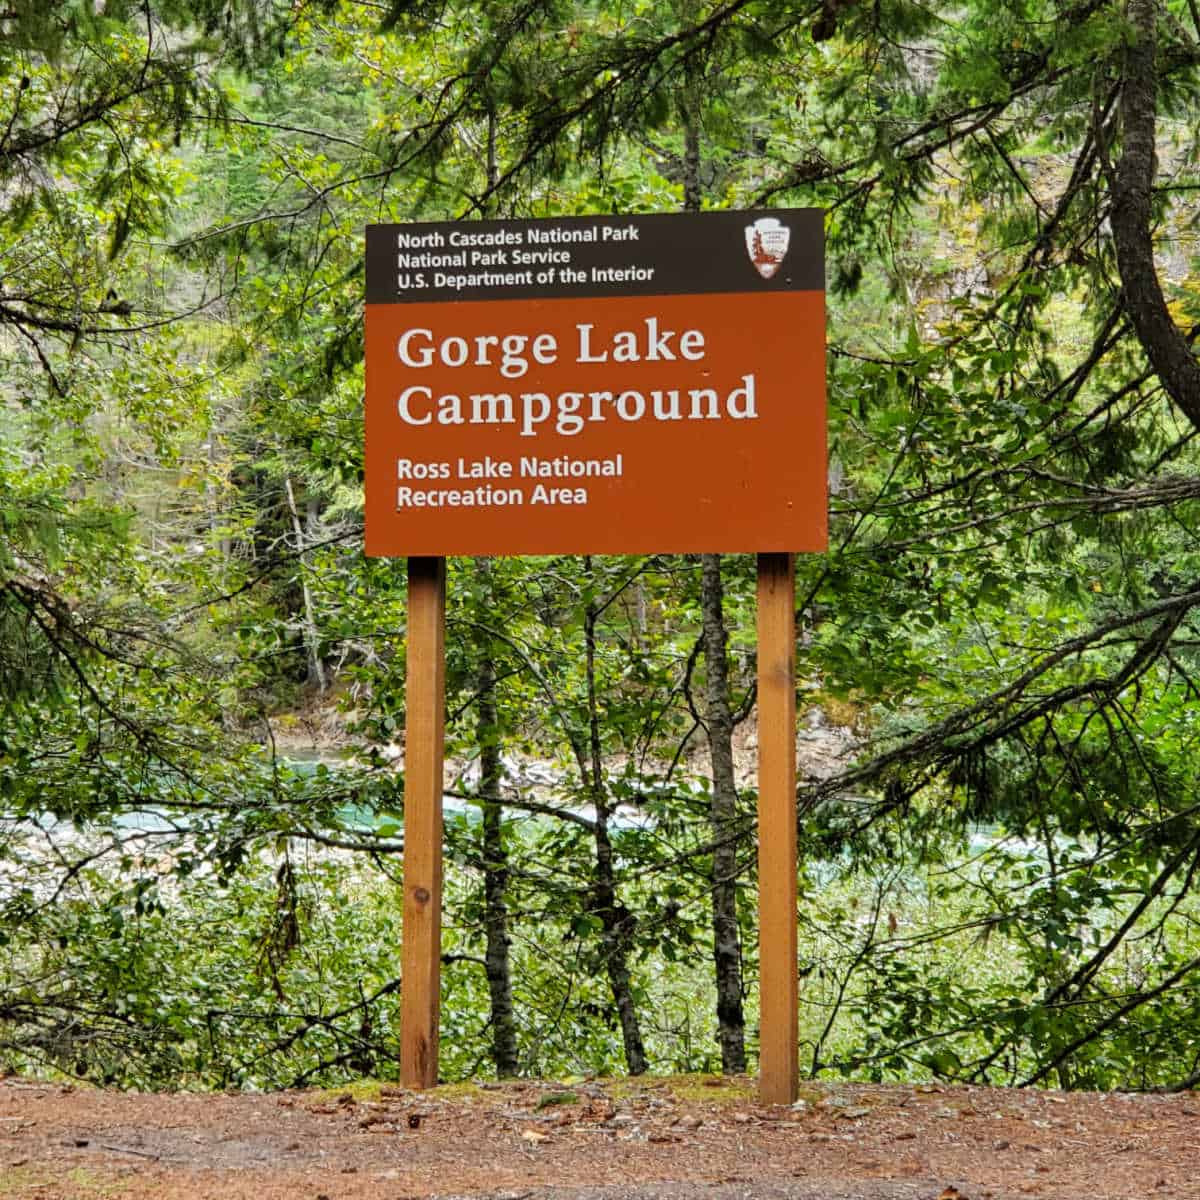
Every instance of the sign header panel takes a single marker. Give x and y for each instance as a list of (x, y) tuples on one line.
[(596, 385)]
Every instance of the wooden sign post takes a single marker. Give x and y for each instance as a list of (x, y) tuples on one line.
[(597, 385), (424, 751), (778, 1058)]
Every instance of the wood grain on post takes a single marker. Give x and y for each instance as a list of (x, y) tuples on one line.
[(778, 989), (424, 743)]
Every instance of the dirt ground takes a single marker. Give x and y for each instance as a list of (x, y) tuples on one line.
[(598, 1140)]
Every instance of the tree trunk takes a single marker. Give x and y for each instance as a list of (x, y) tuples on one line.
[(727, 949), (495, 858), (1168, 350), (312, 640), (617, 921)]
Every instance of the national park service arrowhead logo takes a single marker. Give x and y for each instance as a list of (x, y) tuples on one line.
[(767, 244)]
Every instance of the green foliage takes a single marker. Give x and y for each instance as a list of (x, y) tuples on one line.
[(1000, 889)]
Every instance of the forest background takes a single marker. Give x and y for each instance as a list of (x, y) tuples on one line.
[(998, 867)]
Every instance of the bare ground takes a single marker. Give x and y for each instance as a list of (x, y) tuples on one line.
[(600, 1140)]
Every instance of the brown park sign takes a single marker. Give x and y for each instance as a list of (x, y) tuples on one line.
[(607, 385), (603, 385)]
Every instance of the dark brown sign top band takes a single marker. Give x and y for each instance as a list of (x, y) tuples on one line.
[(767, 250)]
